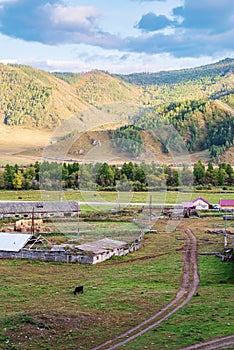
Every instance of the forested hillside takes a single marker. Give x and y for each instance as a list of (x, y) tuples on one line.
[(201, 124), (218, 69), (229, 99), (198, 103), (34, 98), (31, 97)]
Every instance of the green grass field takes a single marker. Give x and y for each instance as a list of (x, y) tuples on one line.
[(114, 198), (39, 310), (208, 316), (92, 231)]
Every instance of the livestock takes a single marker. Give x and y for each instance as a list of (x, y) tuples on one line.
[(78, 290)]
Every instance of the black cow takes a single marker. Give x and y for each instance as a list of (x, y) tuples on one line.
[(79, 289)]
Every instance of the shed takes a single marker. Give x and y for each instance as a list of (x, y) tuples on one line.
[(13, 242), (226, 204), (103, 249)]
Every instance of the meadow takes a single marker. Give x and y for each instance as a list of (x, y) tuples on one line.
[(38, 308), (116, 198)]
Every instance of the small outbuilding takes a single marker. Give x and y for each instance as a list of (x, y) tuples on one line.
[(103, 249), (198, 203), (226, 204)]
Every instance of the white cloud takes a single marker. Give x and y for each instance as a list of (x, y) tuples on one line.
[(73, 18), (114, 62), (7, 1), (127, 33)]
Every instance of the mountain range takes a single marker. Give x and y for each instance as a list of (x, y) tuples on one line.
[(98, 116)]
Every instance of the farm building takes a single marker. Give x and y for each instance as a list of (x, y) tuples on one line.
[(198, 204), (226, 204), (38, 209), (103, 249), (27, 246)]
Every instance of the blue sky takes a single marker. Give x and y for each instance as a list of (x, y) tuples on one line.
[(122, 36)]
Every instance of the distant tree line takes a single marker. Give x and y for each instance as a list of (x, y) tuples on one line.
[(182, 75), (102, 176)]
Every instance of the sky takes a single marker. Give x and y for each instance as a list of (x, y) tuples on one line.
[(123, 36)]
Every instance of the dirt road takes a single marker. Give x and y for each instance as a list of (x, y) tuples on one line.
[(219, 343), (188, 287)]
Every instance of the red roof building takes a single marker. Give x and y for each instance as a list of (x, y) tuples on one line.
[(227, 204), (199, 203)]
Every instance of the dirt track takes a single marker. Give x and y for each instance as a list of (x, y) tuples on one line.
[(188, 287), (219, 343)]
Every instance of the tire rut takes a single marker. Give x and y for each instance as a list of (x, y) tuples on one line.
[(188, 287), (219, 343)]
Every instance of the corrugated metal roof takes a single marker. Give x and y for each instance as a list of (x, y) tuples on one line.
[(226, 202), (13, 242), (39, 207), (101, 245)]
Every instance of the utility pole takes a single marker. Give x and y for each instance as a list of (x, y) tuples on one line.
[(118, 202), (33, 226), (150, 210), (225, 231), (78, 216)]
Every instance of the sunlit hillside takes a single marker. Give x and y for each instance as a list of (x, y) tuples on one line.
[(44, 114)]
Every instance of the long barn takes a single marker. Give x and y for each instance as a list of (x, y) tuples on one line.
[(38, 209)]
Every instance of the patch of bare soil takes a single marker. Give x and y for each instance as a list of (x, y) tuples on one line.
[(228, 156), (39, 330)]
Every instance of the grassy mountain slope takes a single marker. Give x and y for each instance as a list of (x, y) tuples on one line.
[(68, 108), (212, 81), (99, 88), (35, 98), (32, 99)]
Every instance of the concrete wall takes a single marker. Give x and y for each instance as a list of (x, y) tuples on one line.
[(47, 255)]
